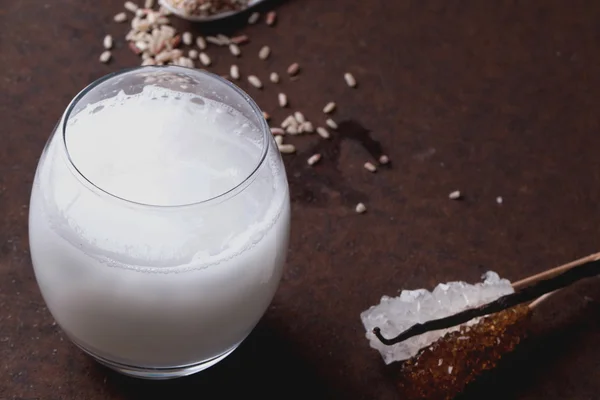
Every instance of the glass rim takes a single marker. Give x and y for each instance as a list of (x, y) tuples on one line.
[(263, 126)]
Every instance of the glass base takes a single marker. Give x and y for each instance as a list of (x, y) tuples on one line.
[(159, 373)]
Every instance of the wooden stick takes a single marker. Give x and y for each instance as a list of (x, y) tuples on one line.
[(554, 271), (548, 274), (534, 304)]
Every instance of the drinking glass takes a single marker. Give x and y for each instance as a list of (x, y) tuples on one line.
[(159, 220)]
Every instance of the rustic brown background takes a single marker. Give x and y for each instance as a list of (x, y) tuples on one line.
[(492, 98)]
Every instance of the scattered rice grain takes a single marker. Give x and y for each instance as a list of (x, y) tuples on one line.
[(312, 160), (283, 102), (105, 56), (293, 69), (152, 17), (331, 123), (369, 166), (308, 127), (234, 72), (350, 80), (289, 121), (163, 56), (455, 195), (187, 38), (274, 77), (254, 17), (174, 42), (131, 6), (234, 49), (254, 81), (201, 43), (140, 25), (240, 39), (215, 41), (329, 107), (186, 62), (264, 53), (271, 18), (360, 208), (324, 133), (141, 45), (134, 48), (120, 17), (383, 159), (204, 59), (107, 42), (224, 38), (287, 148)]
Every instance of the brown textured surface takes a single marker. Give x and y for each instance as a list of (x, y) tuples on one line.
[(492, 98), (441, 371)]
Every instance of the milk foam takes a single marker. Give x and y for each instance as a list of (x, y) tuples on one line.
[(163, 148)]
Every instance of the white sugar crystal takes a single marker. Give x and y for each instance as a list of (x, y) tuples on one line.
[(394, 315)]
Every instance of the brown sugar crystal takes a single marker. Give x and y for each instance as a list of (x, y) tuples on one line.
[(441, 371)]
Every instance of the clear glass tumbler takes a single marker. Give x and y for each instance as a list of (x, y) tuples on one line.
[(159, 220)]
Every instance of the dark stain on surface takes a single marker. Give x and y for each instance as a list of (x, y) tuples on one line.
[(318, 184)]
